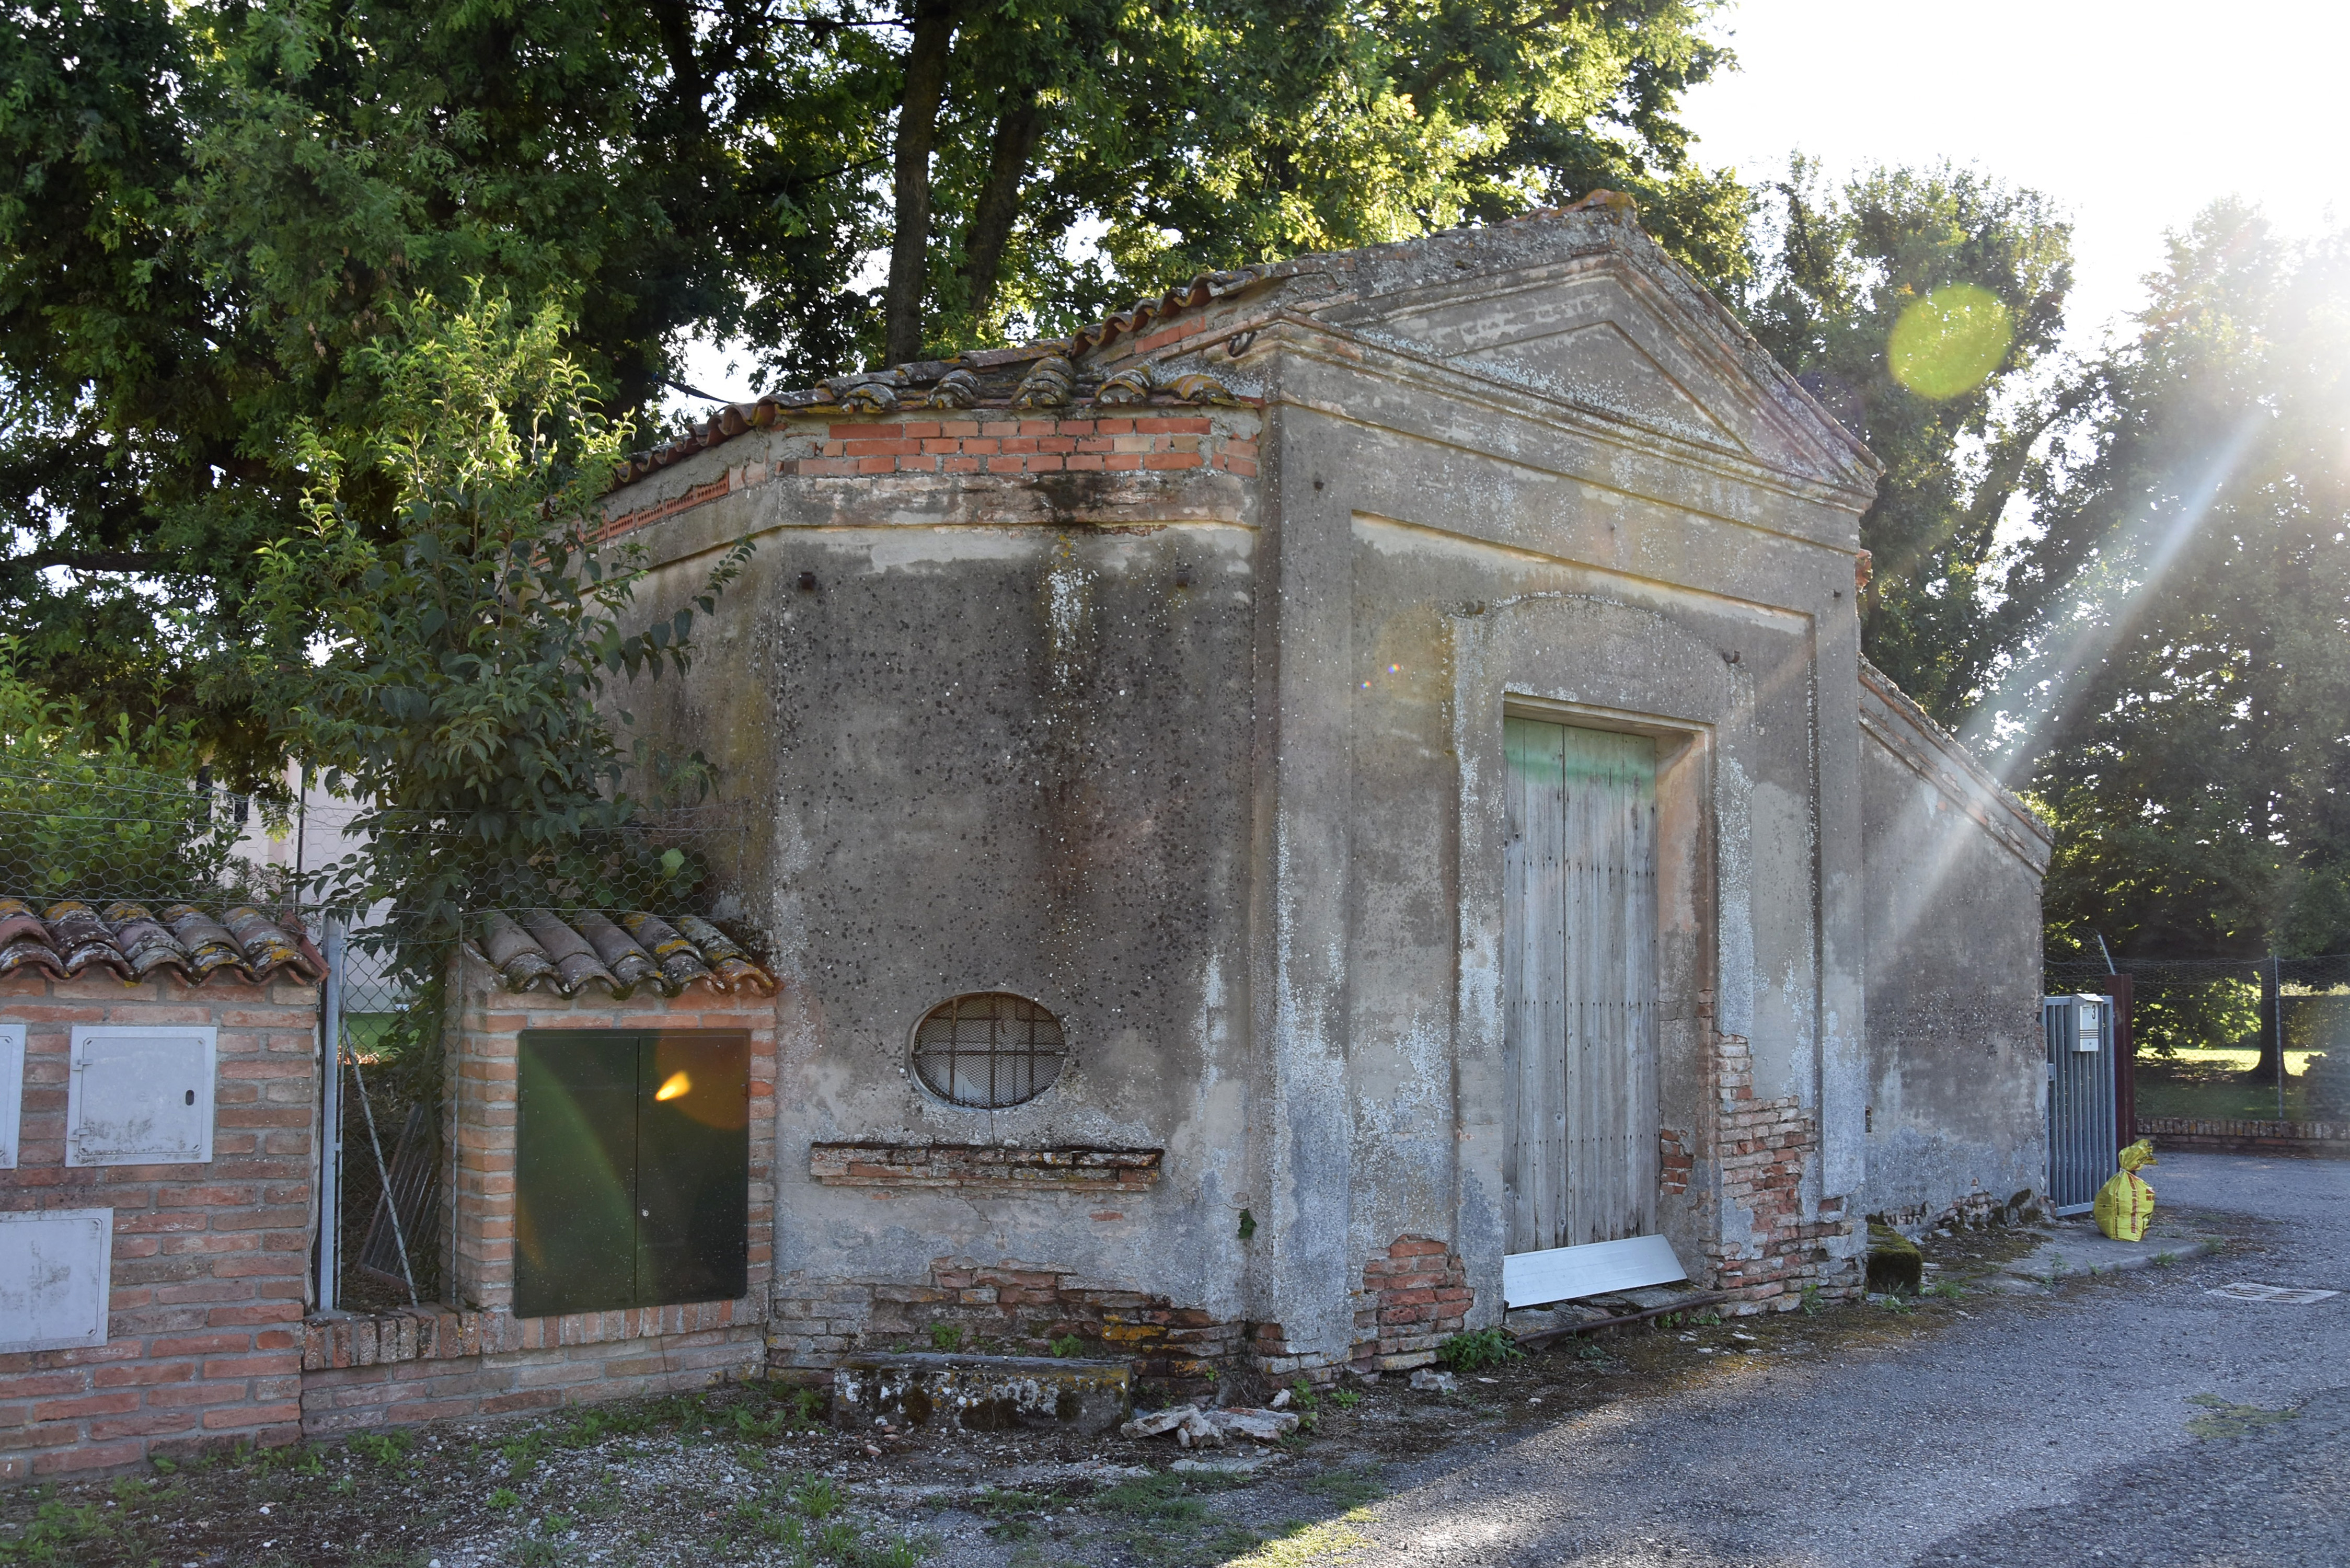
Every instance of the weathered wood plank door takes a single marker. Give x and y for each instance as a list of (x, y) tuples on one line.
[(1579, 984)]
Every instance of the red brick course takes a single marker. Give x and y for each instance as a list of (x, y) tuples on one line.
[(987, 443), (2235, 1136), (1009, 1307), (209, 1274), (1414, 1296), (438, 1364)]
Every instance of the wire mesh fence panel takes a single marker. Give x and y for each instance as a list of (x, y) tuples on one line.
[(387, 1232), (2261, 1038)]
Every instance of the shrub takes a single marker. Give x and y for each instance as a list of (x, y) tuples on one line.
[(1471, 1351)]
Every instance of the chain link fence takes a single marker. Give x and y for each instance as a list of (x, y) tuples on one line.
[(2251, 1039)]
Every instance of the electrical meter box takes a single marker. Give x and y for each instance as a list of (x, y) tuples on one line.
[(11, 1092), (55, 1278), (141, 1095), (632, 1170)]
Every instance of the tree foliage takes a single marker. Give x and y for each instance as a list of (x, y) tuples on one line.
[(2181, 693), (100, 813), (1846, 277), (464, 693), (209, 210)]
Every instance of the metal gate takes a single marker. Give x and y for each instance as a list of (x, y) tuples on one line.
[(2082, 1140)]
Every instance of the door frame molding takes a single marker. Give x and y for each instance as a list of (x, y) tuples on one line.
[(1680, 691)]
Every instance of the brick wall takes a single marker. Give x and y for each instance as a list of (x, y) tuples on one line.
[(1010, 1308), (1414, 1296), (1761, 1147), (984, 442), (437, 1364), (2238, 1136), (482, 1061), (211, 1261), (476, 1359)]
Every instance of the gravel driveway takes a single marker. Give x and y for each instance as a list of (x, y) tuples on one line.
[(2033, 1433)]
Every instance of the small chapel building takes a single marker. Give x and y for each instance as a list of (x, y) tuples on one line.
[(1273, 810)]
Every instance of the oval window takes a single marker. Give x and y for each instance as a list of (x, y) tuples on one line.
[(989, 1050)]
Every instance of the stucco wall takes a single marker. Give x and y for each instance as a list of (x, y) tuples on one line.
[(1447, 567), (1000, 740), (1957, 1109)]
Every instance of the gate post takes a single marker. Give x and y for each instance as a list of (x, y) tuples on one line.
[(330, 1121)]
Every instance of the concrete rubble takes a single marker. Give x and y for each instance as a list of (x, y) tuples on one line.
[(1197, 1428)]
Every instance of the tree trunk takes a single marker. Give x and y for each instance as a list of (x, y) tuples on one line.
[(1016, 131), (2272, 1060), (677, 43), (918, 121)]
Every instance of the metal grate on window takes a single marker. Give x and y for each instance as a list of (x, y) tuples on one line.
[(989, 1050)]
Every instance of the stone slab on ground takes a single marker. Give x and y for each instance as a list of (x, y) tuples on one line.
[(981, 1393), (2075, 1249)]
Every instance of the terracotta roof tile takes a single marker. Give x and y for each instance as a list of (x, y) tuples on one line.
[(569, 954), (134, 943)]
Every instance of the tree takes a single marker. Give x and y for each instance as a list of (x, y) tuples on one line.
[(1921, 305), (463, 695), (209, 210), (1205, 136), (100, 814), (2182, 692)]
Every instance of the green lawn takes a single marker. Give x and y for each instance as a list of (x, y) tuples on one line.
[(2211, 1084)]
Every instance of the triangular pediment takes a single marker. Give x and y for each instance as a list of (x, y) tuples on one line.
[(1652, 351), (1605, 367)]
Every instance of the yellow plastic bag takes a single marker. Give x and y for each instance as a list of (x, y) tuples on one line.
[(2125, 1203)]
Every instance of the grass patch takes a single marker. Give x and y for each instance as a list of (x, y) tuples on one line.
[(2221, 1419), (2212, 1083), (1348, 1485), (1167, 1519), (1305, 1545), (1475, 1352)]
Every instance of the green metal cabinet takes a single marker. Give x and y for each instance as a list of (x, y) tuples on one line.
[(632, 1170)]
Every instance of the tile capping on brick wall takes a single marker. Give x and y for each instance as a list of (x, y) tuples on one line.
[(981, 1166)]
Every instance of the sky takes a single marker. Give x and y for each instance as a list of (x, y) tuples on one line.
[(2131, 116)]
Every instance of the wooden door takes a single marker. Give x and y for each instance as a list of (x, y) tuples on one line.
[(1579, 984)]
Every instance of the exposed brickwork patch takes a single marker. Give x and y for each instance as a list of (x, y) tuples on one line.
[(1414, 1296), (1106, 1170), (1011, 1308), (1675, 1162), (1761, 1147)]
